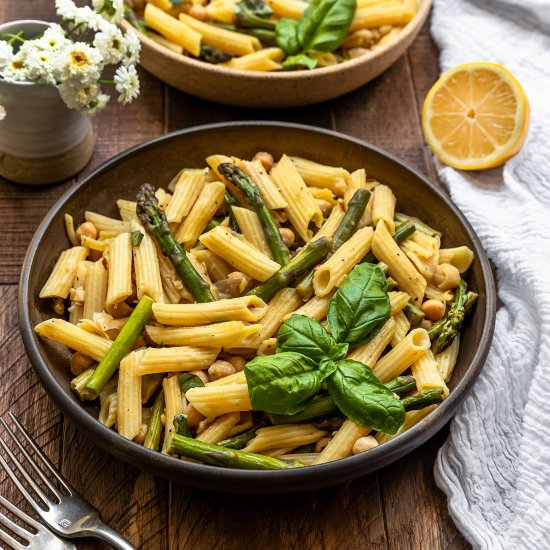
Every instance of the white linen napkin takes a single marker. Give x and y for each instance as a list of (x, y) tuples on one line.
[(495, 466)]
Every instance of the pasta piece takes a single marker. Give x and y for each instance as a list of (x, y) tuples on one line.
[(163, 198), (402, 326), (358, 180), (434, 293), (393, 13), (217, 269), (332, 273), (176, 48), (268, 191), (252, 229), (237, 378), (268, 347), (321, 175), (240, 428), (146, 266), (239, 253), (120, 269), (104, 223), (461, 257), (267, 59), (383, 207), (172, 29), (173, 287), (61, 279), (209, 200), (74, 337), (126, 209), (427, 374), (399, 266), (164, 5), (173, 403), (402, 356), (423, 251), (446, 360), (176, 359), (307, 459), (213, 336), (234, 43), (292, 9), (411, 418), (341, 444), (369, 353), (220, 428), (95, 244), (222, 10), (217, 400), (302, 209), (108, 402), (77, 292), (398, 300), (245, 308), (186, 191), (331, 224), (316, 307), (288, 436), (129, 396), (323, 194), (69, 227), (95, 289)]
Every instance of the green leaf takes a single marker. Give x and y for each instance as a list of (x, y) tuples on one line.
[(137, 237), (180, 425), (325, 23), (364, 399), (307, 336), (286, 36), (254, 14), (299, 61), (257, 7), (360, 306), (283, 383), (188, 381)]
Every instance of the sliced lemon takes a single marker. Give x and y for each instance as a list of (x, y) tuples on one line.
[(476, 116)]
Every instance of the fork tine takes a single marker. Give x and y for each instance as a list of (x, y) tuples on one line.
[(12, 526), (52, 468), (11, 542), (55, 490), (17, 482), (20, 514)]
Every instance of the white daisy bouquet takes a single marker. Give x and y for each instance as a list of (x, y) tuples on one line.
[(73, 56)]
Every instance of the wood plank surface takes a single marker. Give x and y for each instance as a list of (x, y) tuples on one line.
[(397, 508)]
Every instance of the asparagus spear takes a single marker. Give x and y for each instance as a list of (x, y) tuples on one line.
[(403, 231), (252, 196), (240, 441), (229, 458), (180, 425), (422, 399), (154, 431), (413, 313), (230, 202), (213, 55), (154, 221), (347, 227), (254, 14), (121, 346), (326, 405), (265, 36), (294, 269), (446, 330)]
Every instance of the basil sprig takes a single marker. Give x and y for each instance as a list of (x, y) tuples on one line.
[(322, 27), (308, 355)]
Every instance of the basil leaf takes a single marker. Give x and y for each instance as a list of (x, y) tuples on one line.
[(257, 7), (364, 399), (286, 36), (137, 237), (325, 23), (299, 61), (283, 383), (307, 336), (180, 425), (360, 306)]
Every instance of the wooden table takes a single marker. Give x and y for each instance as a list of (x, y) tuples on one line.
[(398, 508)]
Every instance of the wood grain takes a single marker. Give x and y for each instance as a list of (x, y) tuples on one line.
[(398, 508)]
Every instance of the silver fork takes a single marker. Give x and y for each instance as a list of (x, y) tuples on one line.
[(71, 516), (43, 539)]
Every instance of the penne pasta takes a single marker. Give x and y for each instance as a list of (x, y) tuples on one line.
[(383, 207), (252, 230), (146, 265), (331, 223), (220, 428), (320, 175), (129, 406), (427, 374), (370, 352), (60, 281), (316, 308), (287, 436), (126, 209), (292, 9), (173, 400), (411, 418), (176, 359), (402, 326), (446, 360), (341, 444), (212, 401), (104, 223), (268, 191), (267, 59), (186, 192), (120, 269)]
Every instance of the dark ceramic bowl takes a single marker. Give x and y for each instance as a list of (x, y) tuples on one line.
[(157, 161)]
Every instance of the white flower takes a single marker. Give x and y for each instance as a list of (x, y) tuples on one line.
[(6, 53), (127, 83), (131, 48), (97, 104), (16, 70), (82, 17), (40, 65), (53, 39), (80, 64), (2, 112), (78, 98), (111, 10), (111, 44)]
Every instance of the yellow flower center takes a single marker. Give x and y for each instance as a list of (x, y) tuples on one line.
[(79, 58), (17, 64)]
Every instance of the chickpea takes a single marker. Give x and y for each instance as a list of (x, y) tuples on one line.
[(220, 369), (265, 158), (446, 277), (201, 374), (58, 306), (194, 417), (88, 229), (425, 324), (321, 444), (80, 363), (140, 437), (199, 12), (364, 444), (118, 311), (238, 362), (433, 309), (325, 206), (237, 283), (288, 236)]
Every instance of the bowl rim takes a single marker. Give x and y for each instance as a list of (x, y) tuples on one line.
[(409, 29), (230, 479)]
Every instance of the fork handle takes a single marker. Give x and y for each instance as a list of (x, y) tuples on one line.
[(110, 536)]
